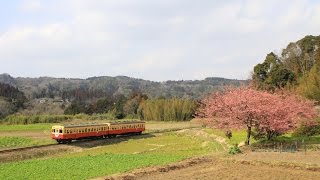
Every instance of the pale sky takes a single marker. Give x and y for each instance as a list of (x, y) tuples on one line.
[(150, 39)]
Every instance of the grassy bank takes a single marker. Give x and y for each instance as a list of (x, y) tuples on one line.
[(28, 127), (13, 142), (238, 136)]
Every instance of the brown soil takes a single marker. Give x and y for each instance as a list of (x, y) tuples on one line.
[(222, 168), (311, 158)]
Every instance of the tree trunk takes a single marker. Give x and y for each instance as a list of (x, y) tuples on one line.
[(269, 135), (248, 135)]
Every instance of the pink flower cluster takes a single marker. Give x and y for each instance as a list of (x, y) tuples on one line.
[(245, 107)]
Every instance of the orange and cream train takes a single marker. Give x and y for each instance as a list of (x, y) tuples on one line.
[(67, 133)]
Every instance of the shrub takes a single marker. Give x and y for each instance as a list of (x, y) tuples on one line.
[(234, 149), (310, 130)]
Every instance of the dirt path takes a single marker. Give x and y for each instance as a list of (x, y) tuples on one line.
[(220, 168)]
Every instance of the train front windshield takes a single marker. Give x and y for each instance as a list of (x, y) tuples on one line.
[(56, 130)]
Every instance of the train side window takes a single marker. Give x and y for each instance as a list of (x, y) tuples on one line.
[(60, 130)]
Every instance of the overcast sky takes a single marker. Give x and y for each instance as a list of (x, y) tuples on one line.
[(149, 39)]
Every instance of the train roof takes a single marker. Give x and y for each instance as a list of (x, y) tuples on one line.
[(98, 124)]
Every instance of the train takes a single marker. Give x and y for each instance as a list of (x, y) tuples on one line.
[(66, 133)]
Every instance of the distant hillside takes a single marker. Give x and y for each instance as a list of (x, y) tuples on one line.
[(11, 99), (97, 87)]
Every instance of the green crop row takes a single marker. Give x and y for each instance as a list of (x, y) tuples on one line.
[(83, 167), (115, 156)]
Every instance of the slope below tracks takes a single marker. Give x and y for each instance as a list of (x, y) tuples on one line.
[(24, 153), (26, 148)]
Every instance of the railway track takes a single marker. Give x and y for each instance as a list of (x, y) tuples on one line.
[(26, 148), (77, 142), (83, 141)]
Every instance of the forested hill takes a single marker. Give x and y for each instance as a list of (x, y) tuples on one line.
[(97, 87), (297, 67)]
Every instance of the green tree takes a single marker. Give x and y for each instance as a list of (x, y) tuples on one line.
[(167, 109), (309, 84), (272, 74)]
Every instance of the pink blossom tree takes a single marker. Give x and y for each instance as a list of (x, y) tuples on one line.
[(244, 107)]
